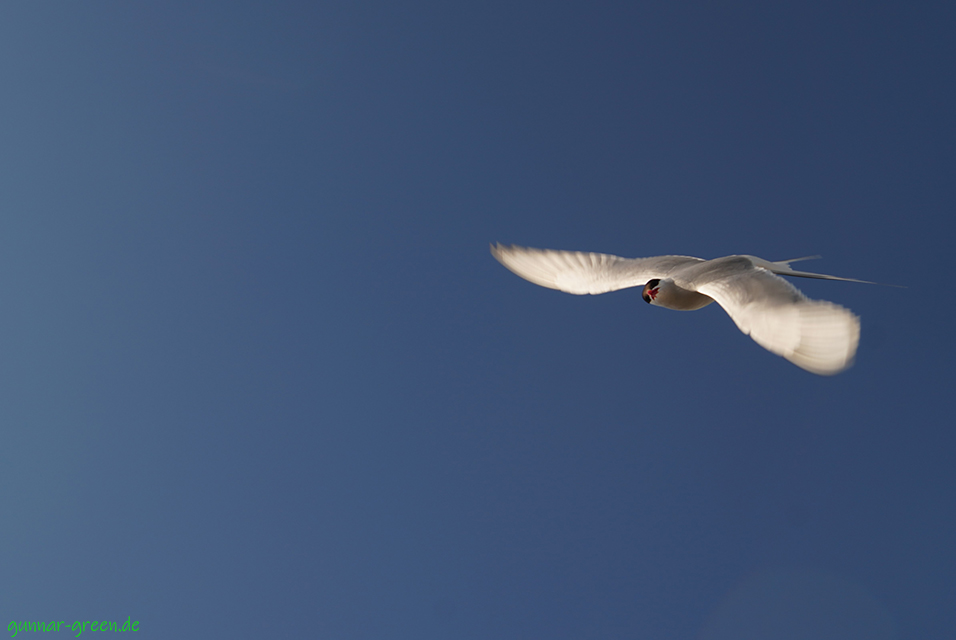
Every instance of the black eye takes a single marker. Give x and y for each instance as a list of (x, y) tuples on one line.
[(653, 283)]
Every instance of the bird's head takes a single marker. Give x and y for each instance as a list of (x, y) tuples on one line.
[(651, 289)]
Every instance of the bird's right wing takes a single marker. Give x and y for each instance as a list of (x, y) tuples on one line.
[(816, 335), (581, 273)]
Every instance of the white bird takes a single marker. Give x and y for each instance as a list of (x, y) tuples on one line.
[(815, 335)]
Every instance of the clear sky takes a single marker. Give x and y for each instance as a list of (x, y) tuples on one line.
[(261, 376)]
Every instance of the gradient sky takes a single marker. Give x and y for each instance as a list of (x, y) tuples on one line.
[(262, 378)]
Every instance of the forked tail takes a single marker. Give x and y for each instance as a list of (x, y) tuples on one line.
[(782, 267)]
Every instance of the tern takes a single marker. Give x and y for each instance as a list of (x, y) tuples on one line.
[(816, 335)]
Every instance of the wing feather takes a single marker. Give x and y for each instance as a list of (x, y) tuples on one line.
[(581, 273), (816, 335)]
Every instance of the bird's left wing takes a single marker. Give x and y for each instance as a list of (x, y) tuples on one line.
[(581, 273), (816, 335)]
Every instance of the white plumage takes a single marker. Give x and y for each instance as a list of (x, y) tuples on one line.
[(815, 335)]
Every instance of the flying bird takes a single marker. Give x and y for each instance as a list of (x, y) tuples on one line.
[(816, 335)]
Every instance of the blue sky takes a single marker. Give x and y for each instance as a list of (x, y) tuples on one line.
[(262, 378)]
